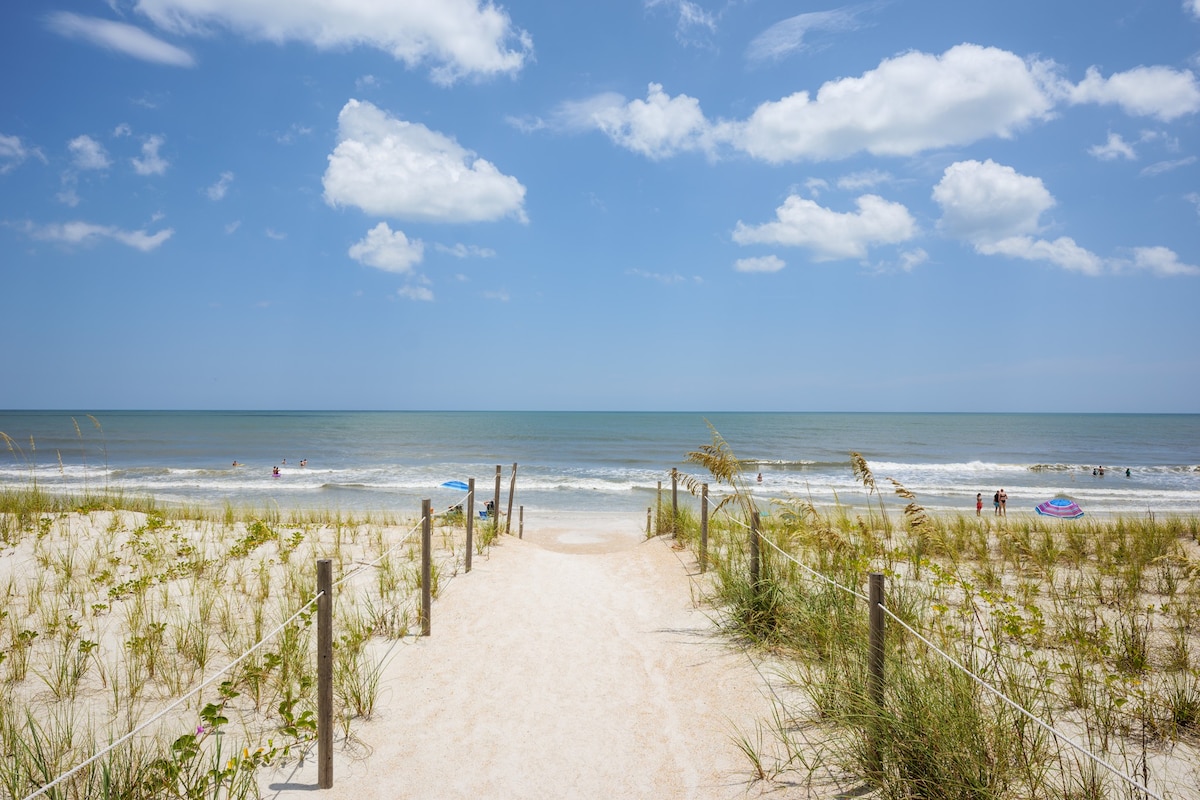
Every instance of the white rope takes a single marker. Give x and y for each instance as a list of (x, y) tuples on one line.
[(1061, 737), (812, 571), (1017, 706), (790, 557), (382, 556), (175, 704)]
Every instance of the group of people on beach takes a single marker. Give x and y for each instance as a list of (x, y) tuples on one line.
[(999, 502), (275, 469), (1099, 472)]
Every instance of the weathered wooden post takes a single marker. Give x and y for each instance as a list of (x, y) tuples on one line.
[(755, 565), (426, 565), (470, 519), (658, 508), (325, 673), (512, 489), (496, 503), (521, 528), (649, 530), (875, 660), (674, 501), (703, 527)]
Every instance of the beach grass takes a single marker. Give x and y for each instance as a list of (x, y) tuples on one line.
[(1090, 625), (114, 606)]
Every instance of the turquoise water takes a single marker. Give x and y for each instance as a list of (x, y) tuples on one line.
[(602, 460)]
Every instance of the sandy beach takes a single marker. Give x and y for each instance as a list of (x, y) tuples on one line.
[(575, 662)]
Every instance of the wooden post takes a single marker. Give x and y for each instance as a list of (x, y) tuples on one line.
[(512, 488), (875, 658), (521, 529), (496, 503), (470, 519), (703, 527), (674, 501), (325, 673), (658, 508), (426, 565), (649, 530), (755, 565)]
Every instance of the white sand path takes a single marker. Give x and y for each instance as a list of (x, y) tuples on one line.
[(570, 664)]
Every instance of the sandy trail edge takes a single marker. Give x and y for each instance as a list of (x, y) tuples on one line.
[(570, 663)]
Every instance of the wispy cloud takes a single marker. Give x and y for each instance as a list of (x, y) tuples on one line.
[(86, 233), (760, 264), (12, 153), (1160, 167), (421, 293), (792, 35), (460, 250), (120, 37), (217, 190)]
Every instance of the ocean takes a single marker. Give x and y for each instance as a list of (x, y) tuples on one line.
[(601, 461)]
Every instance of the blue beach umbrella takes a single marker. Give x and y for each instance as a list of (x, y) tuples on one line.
[(1061, 507), (456, 485)]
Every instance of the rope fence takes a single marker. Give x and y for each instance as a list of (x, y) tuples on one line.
[(176, 703), (879, 609), (322, 598)]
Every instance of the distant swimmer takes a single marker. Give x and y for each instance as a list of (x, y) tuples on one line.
[(760, 477), (1127, 472), (236, 464), (304, 462)]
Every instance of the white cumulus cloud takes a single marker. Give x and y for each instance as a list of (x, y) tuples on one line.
[(832, 235), (392, 168), (79, 232), (657, 127), (986, 201), (1159, 92), (388, 250), (454, 38), (998, 210), (1062, 252), (87, 153), (119, 36), (1162, 261), (907, 104), (151, 163), (1115, 147)]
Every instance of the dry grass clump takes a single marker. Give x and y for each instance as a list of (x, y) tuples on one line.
[(1091, 625), (110, 615)]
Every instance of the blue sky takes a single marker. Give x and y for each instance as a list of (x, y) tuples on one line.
[(643, 205)]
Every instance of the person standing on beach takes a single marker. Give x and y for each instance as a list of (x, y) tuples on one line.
[(979, 504), (996, 503), (1003, 503)]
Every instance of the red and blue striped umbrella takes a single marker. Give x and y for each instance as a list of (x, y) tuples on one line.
[(1061, 507)]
